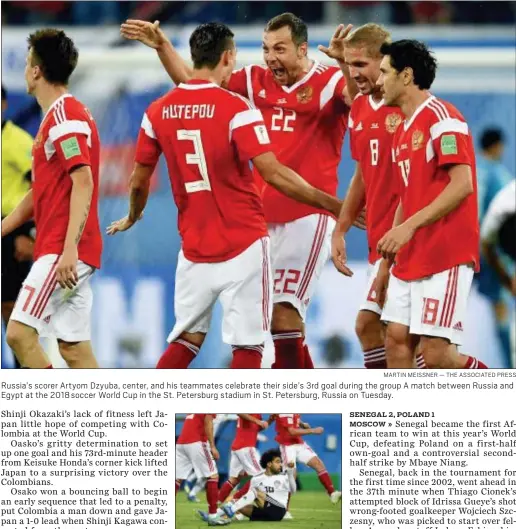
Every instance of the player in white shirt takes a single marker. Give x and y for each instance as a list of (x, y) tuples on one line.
[(269, 492)]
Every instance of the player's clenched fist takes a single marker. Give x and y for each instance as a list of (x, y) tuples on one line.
[(149, 33)]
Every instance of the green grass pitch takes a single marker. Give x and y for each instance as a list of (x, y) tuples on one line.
[(311, 510)]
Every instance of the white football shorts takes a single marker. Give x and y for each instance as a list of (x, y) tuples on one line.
[(52, 310), (197, 456), (299, 251), (243, 286), (432, 306)]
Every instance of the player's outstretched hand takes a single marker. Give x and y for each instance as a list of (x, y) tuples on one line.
[(215, 453), (338, 253), (360, 221), (319, 430), (149, 33), (263, 424), (121, 225), (335, 49), (66, 271), (392, 242)]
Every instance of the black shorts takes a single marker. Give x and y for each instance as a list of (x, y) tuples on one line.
[(13, 272), (268, 513)]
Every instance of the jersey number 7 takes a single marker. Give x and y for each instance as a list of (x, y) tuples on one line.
[(196, 158)]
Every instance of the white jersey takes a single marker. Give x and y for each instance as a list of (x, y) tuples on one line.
[(502, 206), (277, 487)]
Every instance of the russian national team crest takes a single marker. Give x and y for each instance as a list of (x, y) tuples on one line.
[(392, 122), (304, 94), (417, 140)]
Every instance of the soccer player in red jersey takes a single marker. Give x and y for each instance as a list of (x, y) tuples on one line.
[(290, 431), (371, 127), (56, 296), (245, 459), (208, 135), (435, 240), (196, 448), (305, 106)]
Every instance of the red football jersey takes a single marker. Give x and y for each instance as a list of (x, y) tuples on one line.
[(371, 129), (424, 147), (67, 138), (284, 421), (208, 135), (246, 433), (306, 123), (193, 429)]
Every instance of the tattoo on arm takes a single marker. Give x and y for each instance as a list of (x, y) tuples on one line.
[(85, 218)]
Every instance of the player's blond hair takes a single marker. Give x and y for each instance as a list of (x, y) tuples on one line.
[(370, 36)]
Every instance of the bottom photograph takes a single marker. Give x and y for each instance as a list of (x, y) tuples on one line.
[(258, 467)]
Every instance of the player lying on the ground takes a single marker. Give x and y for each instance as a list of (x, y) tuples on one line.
[(269, 491), (195, 448), (208, 136)]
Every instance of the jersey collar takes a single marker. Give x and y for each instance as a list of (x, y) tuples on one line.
[(53, 105), (374, 105), (290, 89), (407, 124), (197, 84)]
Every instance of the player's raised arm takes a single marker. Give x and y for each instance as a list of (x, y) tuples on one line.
[(152, 35), (335, 50), (292, 185), (22, 213)]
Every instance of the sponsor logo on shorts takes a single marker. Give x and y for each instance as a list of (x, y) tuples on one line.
[(458, 326)]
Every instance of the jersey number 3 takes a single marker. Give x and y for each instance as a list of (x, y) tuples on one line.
[(196, 158)]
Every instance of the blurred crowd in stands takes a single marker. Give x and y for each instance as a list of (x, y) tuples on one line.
[(358, 12)]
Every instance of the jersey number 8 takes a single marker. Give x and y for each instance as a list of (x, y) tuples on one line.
[(196, 158)]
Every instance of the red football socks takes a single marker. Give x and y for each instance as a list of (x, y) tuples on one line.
[(375, 358), (289, 350), (244, 490), (325, 479), (179, 355), (247, 357), (225, 491), (212, 494)]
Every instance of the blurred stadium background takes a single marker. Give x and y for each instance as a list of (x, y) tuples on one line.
[(133, 313), (327, 446)]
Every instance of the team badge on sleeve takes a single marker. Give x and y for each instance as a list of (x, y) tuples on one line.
[(261, 134), (417, 140), (448, 144), (70, 148), (391, 122)]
